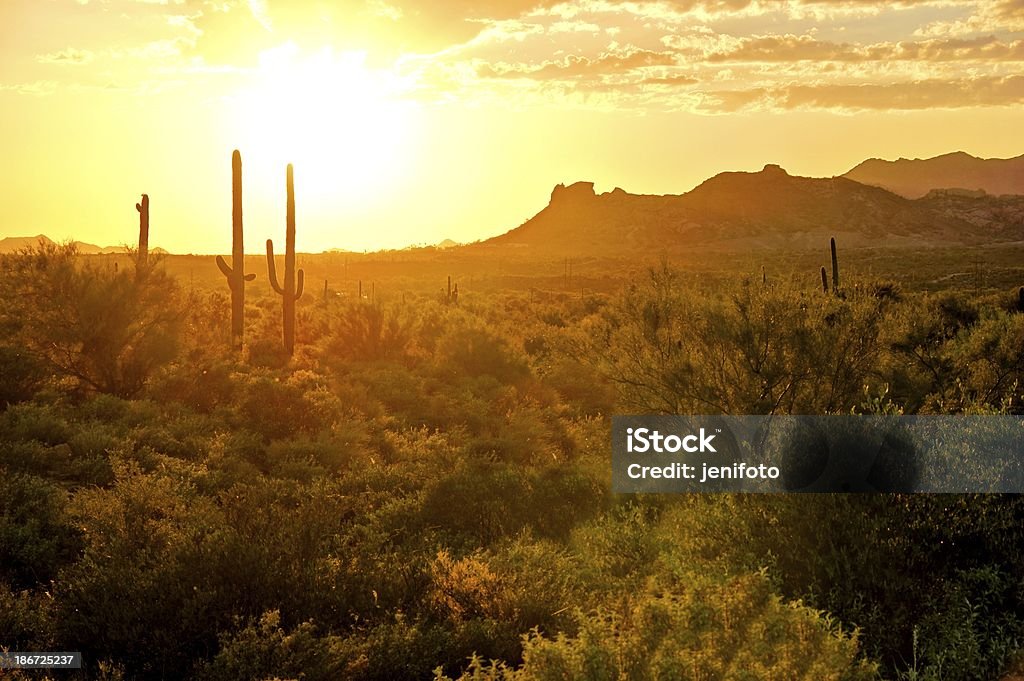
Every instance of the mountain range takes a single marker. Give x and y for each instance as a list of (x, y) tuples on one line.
[(914, 178), (16, 243), (765, 209)]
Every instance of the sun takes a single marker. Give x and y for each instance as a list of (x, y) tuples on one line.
[(344, 126)]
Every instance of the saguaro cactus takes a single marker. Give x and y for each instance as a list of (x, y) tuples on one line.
[(289, 292), (835, 267), (142, 256), (824, 280), (235, 274)]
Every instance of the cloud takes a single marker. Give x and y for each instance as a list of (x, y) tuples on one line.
[(804, 48), (673, 81), (579, 67), (790, 48), (926, 94), (896, 96), (68, 55), (39, 88)]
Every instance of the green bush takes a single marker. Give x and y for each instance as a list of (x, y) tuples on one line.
[(36, 538), (731, 630), (103, 330)]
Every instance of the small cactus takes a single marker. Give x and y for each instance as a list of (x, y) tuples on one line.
[(291, 291), (451, 297), (235, 274), (824, 280)]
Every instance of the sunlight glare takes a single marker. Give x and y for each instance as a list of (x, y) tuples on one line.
[(344, 126)]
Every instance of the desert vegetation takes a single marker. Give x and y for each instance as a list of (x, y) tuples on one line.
[(420, 489)]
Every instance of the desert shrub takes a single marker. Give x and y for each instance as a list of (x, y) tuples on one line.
[(37, 439), (201, 385), (950, 357), (896, 566), (21, 375), (966, 631), (46, 424), (577, 384), (467, 350), (166, 568), (750, 350), (618, 549), (25, 619), (36, 538), (103, 330), (368, 332), (737, 629), (522, 585), (304, 459), (276, 409), (267, 353), (989, 363), (482, 502), (263, 650)]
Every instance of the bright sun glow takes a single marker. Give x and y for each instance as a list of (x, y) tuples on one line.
[(344, 126)]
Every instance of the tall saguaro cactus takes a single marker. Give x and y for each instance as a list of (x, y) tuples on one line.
[(289, 292), (142, 256), (235, 274), (835, 267)]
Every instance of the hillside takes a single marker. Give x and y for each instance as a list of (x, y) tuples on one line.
[(766, 209), (914, 178)]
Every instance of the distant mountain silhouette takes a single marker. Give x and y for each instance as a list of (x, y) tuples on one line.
[(914, 178), (768, 209), (16, 243)]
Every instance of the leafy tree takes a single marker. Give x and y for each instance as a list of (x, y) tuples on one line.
[(105, 331)]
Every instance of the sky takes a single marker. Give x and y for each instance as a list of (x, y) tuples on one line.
[(409, 122)]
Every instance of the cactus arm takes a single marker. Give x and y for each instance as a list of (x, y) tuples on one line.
[(224, 267), (299, 284), (272, 268)]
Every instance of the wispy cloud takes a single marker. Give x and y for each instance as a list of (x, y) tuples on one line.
[(904, 96), (69, 55), (38, 88), (791, 48), (575, 66)]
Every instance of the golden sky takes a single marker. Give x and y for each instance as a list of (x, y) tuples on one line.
[(410, 122)]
